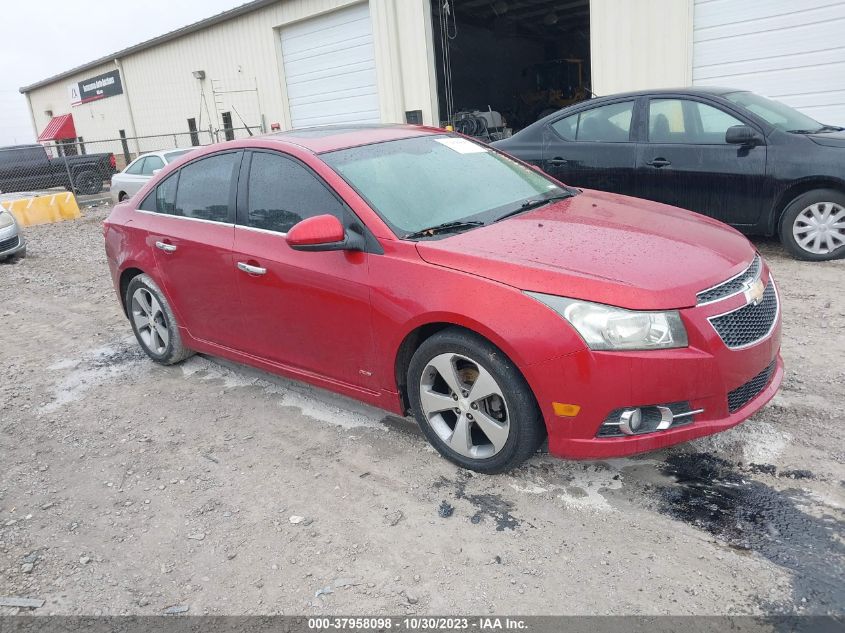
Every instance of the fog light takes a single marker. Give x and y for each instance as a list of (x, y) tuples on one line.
[(630, 421)]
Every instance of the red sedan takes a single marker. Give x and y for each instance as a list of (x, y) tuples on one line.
[(419, 271)]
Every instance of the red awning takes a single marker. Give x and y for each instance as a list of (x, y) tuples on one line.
[(59, 128)]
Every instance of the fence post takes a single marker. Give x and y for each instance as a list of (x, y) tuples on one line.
[(67, 169)]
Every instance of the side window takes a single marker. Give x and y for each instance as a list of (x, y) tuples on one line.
[(605, 124), (567, 127), (282, 192), (690, 122), (151, 163), (136, 168), (163, 198), (205, 188)]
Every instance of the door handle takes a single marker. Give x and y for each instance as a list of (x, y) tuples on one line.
[(167, 248), (557, 160), (659, 162), (252, 270)]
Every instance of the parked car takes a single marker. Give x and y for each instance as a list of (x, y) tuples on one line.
[(420, 271), (12, 242), (754, 163), (29, 168), (126, 184)]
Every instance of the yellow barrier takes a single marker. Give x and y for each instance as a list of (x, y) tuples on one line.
[(43, 209)]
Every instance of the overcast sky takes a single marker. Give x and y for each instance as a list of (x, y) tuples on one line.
[(43, 37)]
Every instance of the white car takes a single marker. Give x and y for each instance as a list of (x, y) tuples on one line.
[(128, 182)]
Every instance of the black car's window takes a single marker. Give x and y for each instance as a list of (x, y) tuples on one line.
[(605, 124), (136, 168), (686, 121), (205, 188), (283, 192), (163, 198), (151, 163)]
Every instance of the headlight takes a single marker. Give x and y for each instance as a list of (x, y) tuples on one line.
[(6, 219), (608, 328)]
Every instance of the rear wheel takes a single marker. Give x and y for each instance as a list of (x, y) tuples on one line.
[(122, 196), (87, 183), (813, 225), (472, 403), (153, 322)]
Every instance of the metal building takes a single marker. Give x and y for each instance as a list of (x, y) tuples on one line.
[(294, 63)]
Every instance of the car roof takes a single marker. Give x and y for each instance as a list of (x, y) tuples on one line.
[(716, 91), (333, 137)]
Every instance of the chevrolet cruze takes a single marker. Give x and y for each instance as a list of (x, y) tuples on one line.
[(422, 272)]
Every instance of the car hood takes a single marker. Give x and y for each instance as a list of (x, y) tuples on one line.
[(829, 139), (601, 247)]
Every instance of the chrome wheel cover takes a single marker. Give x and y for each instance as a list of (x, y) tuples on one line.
[(150, 321), (820, 228), (464, 406)]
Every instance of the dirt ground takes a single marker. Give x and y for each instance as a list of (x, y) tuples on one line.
[(130, 488)]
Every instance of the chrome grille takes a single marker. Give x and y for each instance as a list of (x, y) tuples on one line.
[(743, 394), (732, 286), (750, 323), (10, 243)]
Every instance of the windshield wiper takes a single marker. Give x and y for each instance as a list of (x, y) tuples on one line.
[(829, 128), (446, 227), (534, 203)]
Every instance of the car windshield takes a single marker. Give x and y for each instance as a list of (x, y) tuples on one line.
[(169, 157), (778, 114), (429, 181)]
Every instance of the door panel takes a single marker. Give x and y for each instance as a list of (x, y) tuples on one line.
[(307, 310), (592, 148), (686, 163), (191, 217)]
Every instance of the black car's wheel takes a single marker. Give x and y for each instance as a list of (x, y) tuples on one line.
[(87, 183), (472, 403), (153, 322), (812, 226)]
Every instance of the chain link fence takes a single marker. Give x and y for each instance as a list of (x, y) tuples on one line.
[(86, 167)]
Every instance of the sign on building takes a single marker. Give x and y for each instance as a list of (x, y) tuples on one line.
[(99, 87)]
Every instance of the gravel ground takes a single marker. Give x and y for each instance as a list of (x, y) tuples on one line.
[(129, 488)]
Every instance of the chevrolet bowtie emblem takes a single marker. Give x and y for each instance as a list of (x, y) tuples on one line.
[(754, 291)]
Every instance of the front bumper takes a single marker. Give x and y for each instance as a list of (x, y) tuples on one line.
[(11, 242), (702, 375)]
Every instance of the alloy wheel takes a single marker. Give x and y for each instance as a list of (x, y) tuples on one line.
[(150, 321), (464, 405), (820, 228)]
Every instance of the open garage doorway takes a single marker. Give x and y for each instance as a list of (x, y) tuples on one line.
[(502, 64)]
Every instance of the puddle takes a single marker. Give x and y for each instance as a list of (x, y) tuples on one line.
[(97, 367), (713, 495), (488, 506)]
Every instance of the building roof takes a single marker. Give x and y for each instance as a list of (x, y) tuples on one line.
[(161, 39)]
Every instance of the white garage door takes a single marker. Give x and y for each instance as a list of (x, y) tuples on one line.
[(330, 69), (790, 50)]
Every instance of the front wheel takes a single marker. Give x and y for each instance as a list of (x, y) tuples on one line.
[(153, 322), (472, 403), (813, 225)]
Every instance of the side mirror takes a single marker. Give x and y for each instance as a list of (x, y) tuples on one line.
[(321, 233), (743, 135)]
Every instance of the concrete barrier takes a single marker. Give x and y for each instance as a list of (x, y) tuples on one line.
[(42, 209)]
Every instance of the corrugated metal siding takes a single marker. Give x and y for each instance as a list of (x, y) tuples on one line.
[(240, 54), (330, 69), (787, 50), (640, 44)]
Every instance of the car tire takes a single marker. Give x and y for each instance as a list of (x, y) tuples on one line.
[(122, 196), (489, 435), (87, 183), (153, 322), (825, 207)]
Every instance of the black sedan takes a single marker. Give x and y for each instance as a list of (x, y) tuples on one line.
[(754, 163)]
